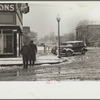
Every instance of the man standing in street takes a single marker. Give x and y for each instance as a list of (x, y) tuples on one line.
[(33, 52), (25, 51)]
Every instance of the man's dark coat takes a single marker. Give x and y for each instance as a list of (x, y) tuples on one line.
[(33, 51)]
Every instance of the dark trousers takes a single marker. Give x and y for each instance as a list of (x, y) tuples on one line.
[(32, 59), (31, 62), (25, 61)]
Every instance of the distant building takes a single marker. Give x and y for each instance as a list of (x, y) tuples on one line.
[(29, 35), (90, 34), (11, 22), (33, 36), (26, 34)]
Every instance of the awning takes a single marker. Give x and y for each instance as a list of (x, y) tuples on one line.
[(14, 27)]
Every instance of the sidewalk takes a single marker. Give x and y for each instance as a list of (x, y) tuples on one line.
[(47, 59)]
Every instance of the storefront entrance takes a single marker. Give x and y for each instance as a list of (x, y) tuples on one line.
[(10, 41), (6, 42)]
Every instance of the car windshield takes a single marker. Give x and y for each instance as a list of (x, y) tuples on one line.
[(67, 43)]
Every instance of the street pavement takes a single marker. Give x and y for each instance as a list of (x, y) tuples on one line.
[(13, 67), (77, 67)]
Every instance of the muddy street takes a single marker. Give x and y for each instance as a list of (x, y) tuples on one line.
[(78, 67)]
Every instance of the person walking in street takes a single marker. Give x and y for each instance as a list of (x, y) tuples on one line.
[(25, 51), (33, 52)]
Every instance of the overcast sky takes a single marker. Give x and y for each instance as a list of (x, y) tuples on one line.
[(42, 15)]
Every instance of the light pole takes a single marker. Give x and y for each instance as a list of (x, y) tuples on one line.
[(58, 20)]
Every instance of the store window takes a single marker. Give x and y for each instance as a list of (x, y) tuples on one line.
[(6, 42)]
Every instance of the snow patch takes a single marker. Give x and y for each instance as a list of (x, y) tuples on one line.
[(70, 59), (45, 65)]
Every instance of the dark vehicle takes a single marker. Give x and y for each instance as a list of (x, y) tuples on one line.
[(54, 50), (71, 47)]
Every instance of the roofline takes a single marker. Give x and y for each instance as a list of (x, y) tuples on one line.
[(85, 26), (72, 41)]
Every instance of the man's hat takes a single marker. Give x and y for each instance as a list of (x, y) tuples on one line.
[(25, 42), (31, 41)]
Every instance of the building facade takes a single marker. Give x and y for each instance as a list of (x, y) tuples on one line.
[(33, 36), (29, 35), (11, 22), (26, 36), (90, 34)]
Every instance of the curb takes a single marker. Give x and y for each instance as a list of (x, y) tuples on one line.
[(35, 63)]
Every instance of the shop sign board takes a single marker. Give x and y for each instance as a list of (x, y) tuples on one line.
[(7, 7), (26, 29)]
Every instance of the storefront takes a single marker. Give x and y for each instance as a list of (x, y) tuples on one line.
[(11, 29), (10, 41)]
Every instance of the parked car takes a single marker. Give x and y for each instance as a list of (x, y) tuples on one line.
[(54, 50), (71, 47)]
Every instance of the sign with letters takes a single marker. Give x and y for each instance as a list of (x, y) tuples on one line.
[(7, 7)]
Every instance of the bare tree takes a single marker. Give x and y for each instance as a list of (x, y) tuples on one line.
[(52, 37), (68, 37), (83, 22)]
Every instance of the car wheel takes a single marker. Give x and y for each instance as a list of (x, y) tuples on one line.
[(83, 52), (68, 53)]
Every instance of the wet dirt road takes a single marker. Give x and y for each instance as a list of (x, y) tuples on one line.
[(78, 67)]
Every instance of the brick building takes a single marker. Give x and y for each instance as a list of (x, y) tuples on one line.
[(33, 36), (29, 35), (90, 34), (26, 34)]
